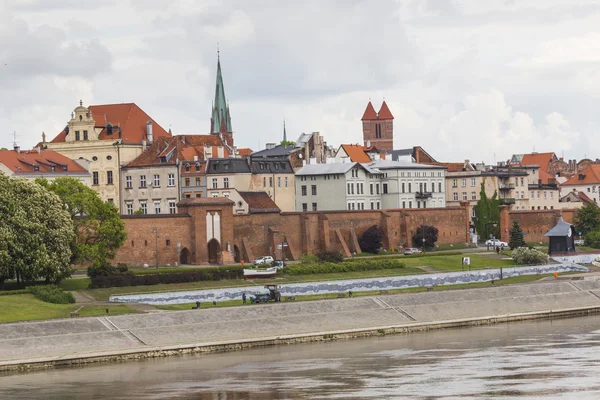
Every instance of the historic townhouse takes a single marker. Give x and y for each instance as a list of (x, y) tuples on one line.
[(586, 182)]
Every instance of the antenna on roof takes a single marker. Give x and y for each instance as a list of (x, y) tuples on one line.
[(14, 135)]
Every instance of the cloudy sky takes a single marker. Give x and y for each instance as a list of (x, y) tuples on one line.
[(464, 78)]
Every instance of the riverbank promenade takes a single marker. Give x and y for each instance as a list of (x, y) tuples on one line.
[(110, 338)]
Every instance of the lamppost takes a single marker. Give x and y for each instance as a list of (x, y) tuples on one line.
[(422, 234), (155, 230)]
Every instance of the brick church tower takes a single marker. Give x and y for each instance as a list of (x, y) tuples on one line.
[(378, 128)]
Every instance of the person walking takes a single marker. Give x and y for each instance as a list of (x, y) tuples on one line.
[(244, 298)]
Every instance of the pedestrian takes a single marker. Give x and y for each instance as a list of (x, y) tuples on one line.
[(350, 293), (497, 250), (244, 298), (502, 248), (197, 304), (214, 303)]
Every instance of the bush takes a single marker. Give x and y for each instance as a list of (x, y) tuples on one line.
[(51, 294), (371, 239), (527, 256), (592, 239), (330, 256), (429, 233), (104, 268), (205, 274), (346, 266), (309, 259)]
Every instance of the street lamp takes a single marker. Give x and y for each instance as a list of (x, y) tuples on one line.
[(155, 230), (422, 234)]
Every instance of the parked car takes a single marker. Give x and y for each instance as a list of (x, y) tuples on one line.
[(278, 264), (263, 260), (496, 243), (411, 250)]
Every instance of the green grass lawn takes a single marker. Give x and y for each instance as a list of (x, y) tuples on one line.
[(446, 263), (25, 307)]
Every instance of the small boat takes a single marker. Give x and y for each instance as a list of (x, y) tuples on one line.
[(260, 273)]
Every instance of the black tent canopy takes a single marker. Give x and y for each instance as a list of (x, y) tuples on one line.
[(562, 238)]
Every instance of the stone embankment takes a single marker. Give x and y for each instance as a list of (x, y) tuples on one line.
[(31, 345)]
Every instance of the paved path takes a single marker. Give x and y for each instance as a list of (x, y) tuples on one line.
[(139, 332)]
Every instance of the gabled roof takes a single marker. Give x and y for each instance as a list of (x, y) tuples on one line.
[(259, 202), (584, 198), (369, 113), (384, 112), (355, 152), (128, 116), (541, 159), (336, 168), (30, 161), (561, 229), (590, 175)]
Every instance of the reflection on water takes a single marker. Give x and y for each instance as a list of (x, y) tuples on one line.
[(548, 359)]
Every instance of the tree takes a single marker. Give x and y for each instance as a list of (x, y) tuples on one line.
[(587, 219), (35, 233), (287, 143), (99, 231), (487, 213), (516, 236), (371, 239), (427, 232)]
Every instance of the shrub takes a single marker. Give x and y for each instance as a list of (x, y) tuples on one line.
[(205, 274), (104, 268), (527, 256), (330, 256), (346, 266), (51, 294), (592, 239), (429, 233), (371, 239), (309, 259)]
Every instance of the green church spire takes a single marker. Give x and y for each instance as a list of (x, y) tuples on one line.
[(220, 120)]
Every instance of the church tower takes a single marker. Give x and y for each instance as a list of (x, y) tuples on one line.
[(220, 121), (378, 128)]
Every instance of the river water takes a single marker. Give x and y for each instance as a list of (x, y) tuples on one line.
[(546, 359)]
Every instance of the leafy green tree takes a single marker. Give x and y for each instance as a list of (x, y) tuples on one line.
[(487, 213), (371, 239), (35, 233), (98, 228), (592, 239), (587, 219), (516, 236), (427, 232), (287, 143)]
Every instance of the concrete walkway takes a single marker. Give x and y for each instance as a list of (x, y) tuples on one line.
[(150, 332)]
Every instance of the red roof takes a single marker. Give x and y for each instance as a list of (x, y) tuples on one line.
[(128, 116), (590, 175), (356, 153), (30, 161), (384, 112), (245, 152), (584, 198), (259, 202), (369, 113)]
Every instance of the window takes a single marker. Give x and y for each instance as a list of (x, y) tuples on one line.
[(385, 188), (455, 196), (402, 187), (371, 188), (464, 195), (313, 190), (551, 195), (271, 181), (410, 204), (473, 196), (226, 183), (521, 181), (421, 187), (545, 194), (187, 182), (172, 207), (353, 206), (168, 242), (348, 188), (473, 182), (214, 183), (352, 188), (522, 195), (156, 180), (285, 180), (187, 167), (349, 206), (128, 182), (188, 195), (378, 206), (440, 187), (197, 167), (418, 204), (463, 182), (198, 181), (95, 178), (278, 181), (265, 180), (85, 135), (454, 183), (372, 206), (77, 135), (314, 206), (377, 188), (409, 187), (157, 207), (226, 195), (198, 195), (538, 195), (142, 181), (303, 187), (171, 180), (129, 206), (403, 204), (215, 194), (143, 207), (109, 177), (432, 187), (304, 207)]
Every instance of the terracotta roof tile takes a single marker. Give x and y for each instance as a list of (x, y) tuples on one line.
[(384, 112), (131, 118), (27, 161), (590, 175), (259, 202), (584, 198), (356, 153), (369, 113)]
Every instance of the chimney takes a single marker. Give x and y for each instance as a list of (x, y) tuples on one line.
[(466, 164), (195, 158), (17, 148), (39, 149), (143, 144), (149, 134), (368, 143)]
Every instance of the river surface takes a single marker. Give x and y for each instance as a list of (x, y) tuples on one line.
[(535, 360)]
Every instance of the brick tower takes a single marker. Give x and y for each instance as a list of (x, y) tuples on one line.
[(378, 128)]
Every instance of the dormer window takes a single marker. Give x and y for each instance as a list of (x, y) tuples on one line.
[(36, 168), (187, 167), (197, 167), (53, 168), (109, 129), (65, 168)]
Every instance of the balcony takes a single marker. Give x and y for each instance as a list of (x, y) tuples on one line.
[(506, 186), (423, 195), (507, 201)]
